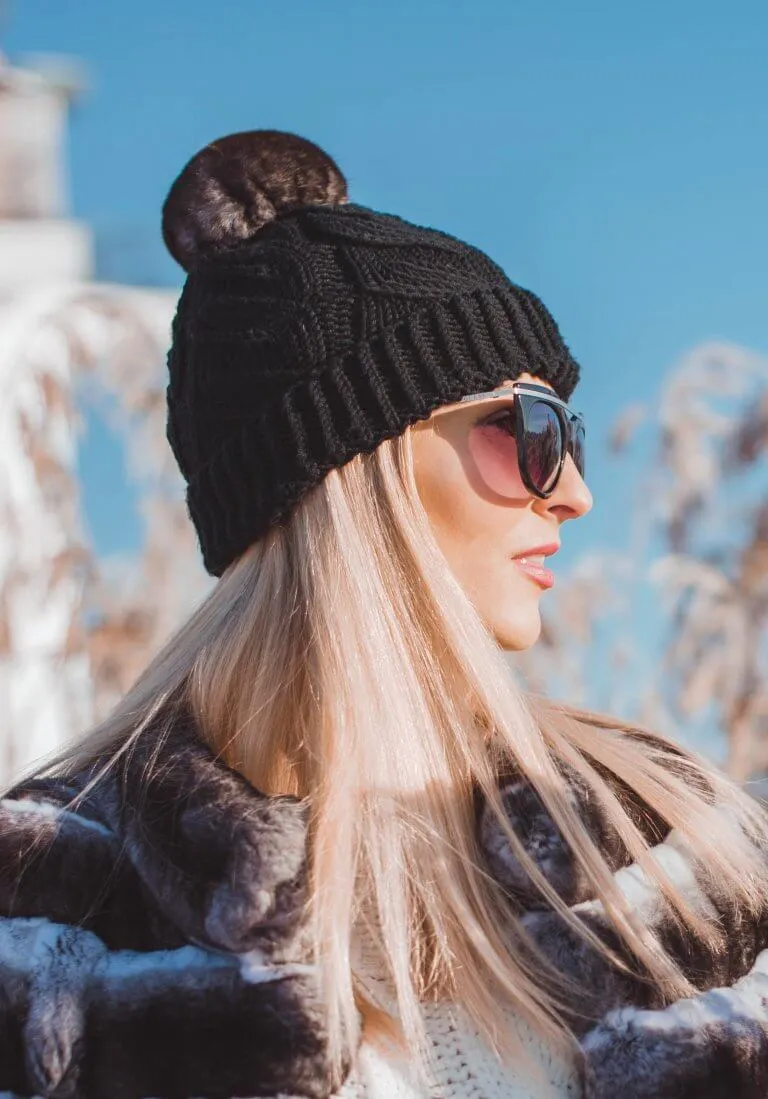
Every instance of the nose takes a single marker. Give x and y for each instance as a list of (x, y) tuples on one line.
[(571, 499)]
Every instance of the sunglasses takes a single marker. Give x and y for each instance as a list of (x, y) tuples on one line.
[(526, 438)]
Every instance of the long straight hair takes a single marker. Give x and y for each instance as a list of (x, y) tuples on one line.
[(340, 661)]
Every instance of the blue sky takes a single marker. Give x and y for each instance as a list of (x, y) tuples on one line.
[(611, 156)]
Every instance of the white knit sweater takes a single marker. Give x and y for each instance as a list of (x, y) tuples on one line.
[(464, 1068), (463, 1065)]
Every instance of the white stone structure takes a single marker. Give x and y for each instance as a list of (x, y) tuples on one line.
[(56, 327), (38, 242)]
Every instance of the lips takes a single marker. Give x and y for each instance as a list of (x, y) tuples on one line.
[(531, 563)]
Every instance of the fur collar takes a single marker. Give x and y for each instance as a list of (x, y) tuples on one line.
[(153, 927)]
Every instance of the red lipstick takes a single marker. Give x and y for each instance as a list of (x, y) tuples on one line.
[(531, 562)]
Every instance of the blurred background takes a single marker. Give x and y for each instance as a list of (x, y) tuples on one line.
[(612, 157)]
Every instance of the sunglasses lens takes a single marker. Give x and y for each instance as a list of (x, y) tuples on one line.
[(494, 451), (578, 446), (543, 445), (493, 446)]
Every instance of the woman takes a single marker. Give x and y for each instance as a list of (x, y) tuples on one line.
[(324, 846)]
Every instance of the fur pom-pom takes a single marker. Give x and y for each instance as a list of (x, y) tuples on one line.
[(236, 185)]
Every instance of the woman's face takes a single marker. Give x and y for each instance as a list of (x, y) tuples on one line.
[(484, 535)]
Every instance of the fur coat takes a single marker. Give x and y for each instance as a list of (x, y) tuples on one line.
[(150, 945)]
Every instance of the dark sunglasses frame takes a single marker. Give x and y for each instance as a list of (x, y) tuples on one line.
[(526, 395)]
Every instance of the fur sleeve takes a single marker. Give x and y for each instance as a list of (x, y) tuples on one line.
[(713, 1045), (225, 864), (599, 985), (79, 1020), (66, 867)]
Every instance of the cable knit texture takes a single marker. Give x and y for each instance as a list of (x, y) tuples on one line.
[(333, 328), (462, 1064)]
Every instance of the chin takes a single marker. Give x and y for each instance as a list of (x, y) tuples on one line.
[(518, 635)]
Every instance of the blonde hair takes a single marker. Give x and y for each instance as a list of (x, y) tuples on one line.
[(340, 661)]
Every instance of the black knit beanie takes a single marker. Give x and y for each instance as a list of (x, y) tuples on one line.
[(310, 329)]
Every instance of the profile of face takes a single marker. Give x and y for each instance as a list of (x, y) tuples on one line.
[(495, 536)]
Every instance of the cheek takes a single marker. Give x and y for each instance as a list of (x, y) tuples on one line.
[(470, 485), (476, 531), (463, 518)]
